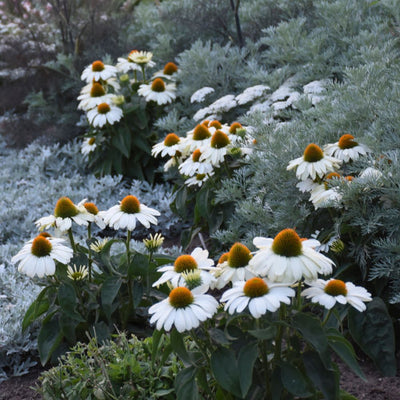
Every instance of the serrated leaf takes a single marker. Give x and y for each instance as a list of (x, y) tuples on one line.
[(36, 309)]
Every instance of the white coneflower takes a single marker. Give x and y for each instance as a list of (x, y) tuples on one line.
[(38, 256), (198, 260), (198, 179), (168, 147), (98, 71), (327, 293), (234, 266), (193, 166), (217, 150), (128, 212), (168, 72), (104, 114), (94, 97), (125, 65), (287, 258), (88, 145), (184, 309), (158, 91), (258, 295), (346, 149), (65, 212), (314, 163), (154, 242), (94, 213)]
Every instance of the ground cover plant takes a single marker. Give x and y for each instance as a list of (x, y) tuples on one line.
[(278, 132)]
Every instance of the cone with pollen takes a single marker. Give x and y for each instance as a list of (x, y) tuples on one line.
[(169, 146), (38, 256), (158, 91), (313, 164), (184, 309), (234, 266), (287, 258), (256, 294), (65, 208), (328, 293), (346, 149), (170, 68), (98, 71), (201, 132), (97, 66), (197, 261), (126, 214)]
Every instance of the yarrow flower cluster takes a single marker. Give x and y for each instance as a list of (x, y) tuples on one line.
[(318, 169), (204, 149), (257, 281)]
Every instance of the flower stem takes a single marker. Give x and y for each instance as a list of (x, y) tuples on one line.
[(326, 319), (279, 335), (71, 239), (90, 259)]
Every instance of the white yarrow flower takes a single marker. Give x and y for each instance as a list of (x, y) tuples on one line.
[(199, 95)]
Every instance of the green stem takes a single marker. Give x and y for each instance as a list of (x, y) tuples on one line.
[(90, 259), (279, 335), (327, 317), (144, 75), (128, 260), (299, 302), (148, 273), (71, 239), (128, 251)]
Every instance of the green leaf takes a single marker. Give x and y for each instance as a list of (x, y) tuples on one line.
[(122, 143), (225, 370), (67, 301), (178, 345), (36, 309), (325, 379), (49, 338), (109, 291), (202, 203), (218, 336), (373, 331), (293, 380), (311, 330), (137, 289), (139, 266), (264, 334), (345, 351), (185, 384), (246, 359)]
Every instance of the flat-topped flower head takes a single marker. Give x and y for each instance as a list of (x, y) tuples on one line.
[(196, 261), (346, 149), (103, 114), (184, 309), (128, 213), (258, 295), (288, 258), (199, 95), (65, 212), (98, 71), (169, 147), (193, 165), (158, 91), (328, 293), (38, 256), (314, 163), (235, 267)]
